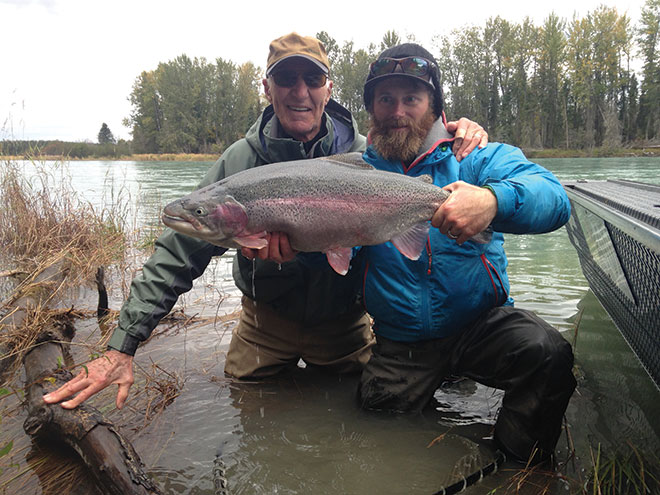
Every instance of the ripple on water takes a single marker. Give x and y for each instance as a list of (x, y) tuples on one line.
[(304, 433)]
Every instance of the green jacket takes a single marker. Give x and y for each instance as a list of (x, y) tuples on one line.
[(295, 290)]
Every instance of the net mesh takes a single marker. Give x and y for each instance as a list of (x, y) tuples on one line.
[(637, 320)]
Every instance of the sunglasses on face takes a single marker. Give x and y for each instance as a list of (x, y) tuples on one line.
[(414, 66), (289, 78)]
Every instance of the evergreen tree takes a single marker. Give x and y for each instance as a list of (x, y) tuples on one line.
[(390, 38), (348, 70), (105, 135), (331, 47), (648, 37), (147, 115), (551, 67)]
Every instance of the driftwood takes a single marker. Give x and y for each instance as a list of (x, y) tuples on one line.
[(109, 457), (102, 309), (40, 291)]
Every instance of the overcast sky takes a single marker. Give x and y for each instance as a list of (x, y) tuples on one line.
[(67, 66)]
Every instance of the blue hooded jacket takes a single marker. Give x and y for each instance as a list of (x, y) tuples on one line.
[(449, 286)]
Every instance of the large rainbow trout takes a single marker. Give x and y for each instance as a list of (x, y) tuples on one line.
[(328, 204)]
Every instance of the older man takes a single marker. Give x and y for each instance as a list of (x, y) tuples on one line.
[(449, 312), (289, 311)]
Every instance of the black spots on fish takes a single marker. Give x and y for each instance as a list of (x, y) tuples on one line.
[(349, 159)]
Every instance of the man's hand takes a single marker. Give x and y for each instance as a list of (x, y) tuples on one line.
[(468, 136), (278, 250), (468, 210), (113, 367)]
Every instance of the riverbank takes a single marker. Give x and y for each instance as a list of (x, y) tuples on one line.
[(627, 152), (147, 157)]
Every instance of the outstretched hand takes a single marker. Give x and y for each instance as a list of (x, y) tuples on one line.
[(278, 249), (468, 135), (113, 367)]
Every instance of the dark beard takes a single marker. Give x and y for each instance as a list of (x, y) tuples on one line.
[(404, 145)]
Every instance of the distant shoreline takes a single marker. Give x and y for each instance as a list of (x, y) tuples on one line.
[(636, 152), (631, 152), (147, 157)]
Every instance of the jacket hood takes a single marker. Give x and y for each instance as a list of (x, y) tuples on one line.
[(341, 133)]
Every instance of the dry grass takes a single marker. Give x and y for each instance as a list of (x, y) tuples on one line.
[(41, 219), (626, 471), (162, 388), (629, 472), (53, 243)]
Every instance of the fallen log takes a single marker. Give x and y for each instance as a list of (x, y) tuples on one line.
[(109, 457)]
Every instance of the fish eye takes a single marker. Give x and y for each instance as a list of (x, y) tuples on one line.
[(200, 211)]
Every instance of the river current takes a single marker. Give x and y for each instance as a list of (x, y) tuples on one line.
[(303, 433)]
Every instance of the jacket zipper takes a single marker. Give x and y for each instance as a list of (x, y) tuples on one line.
[(364, 286), (490, 269), (428, 251), (426, 299)]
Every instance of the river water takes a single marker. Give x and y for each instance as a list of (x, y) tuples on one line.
[(303, 433)]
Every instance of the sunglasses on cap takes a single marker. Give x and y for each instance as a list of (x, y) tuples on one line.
[(413, 66), (289, 78)]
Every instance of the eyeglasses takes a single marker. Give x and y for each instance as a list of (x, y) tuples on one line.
[(289, 78), (413, 66)]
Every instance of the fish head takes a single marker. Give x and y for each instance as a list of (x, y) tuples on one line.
[(216, 221)]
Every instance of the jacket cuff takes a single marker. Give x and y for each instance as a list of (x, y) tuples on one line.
[(505, 201), (123, 342)]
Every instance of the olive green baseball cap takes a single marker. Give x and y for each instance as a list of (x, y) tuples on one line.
[(294, 45)]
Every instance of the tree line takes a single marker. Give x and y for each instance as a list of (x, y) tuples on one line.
[(563, 84), (575, 84), (559, 85), (70, 149)]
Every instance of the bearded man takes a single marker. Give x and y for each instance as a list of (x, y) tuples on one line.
[(450, 312)]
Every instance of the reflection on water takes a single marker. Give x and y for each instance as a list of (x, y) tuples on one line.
[(303, 433), (618, 397), (545, 276), (643, 169)]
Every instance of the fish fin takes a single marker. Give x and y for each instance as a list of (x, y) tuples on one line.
[(349, 159), (483, 237), (426, 178), (340, 259), (254, 241), (411, 243)]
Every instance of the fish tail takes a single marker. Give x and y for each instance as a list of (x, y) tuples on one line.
[(483, 237)]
